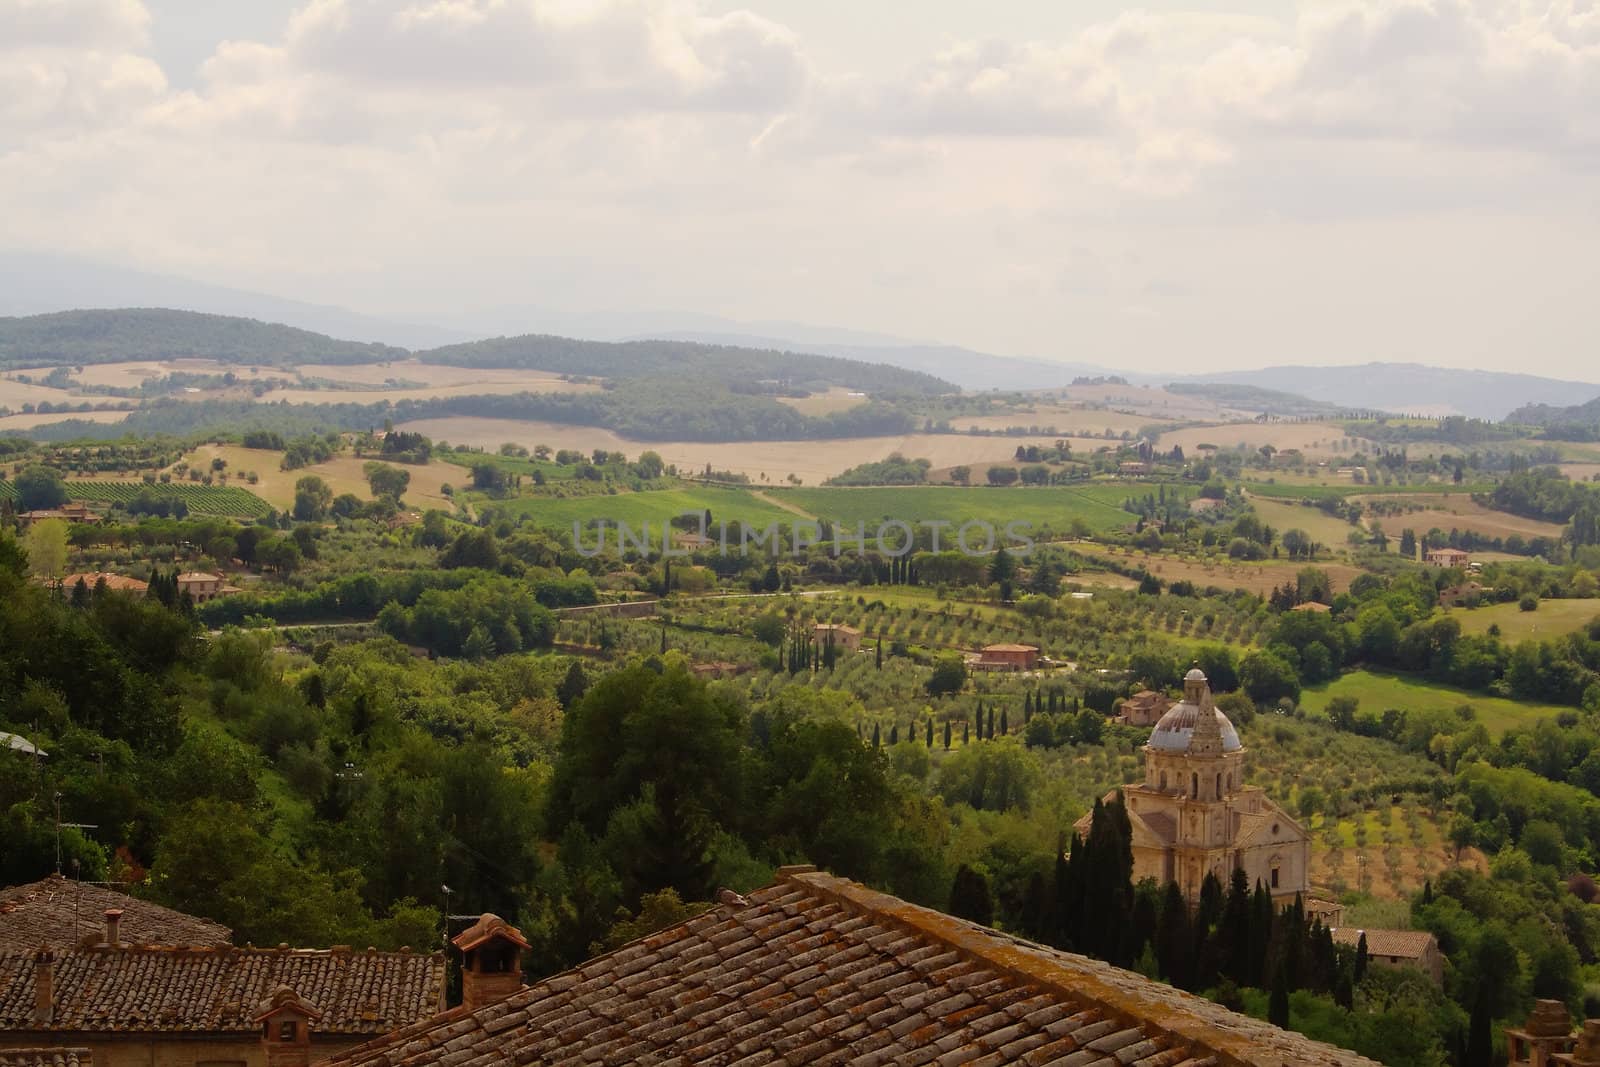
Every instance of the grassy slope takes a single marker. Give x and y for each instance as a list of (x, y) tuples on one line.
[(1100, 506), (1554, 617), (1378, 692), (656, 507)]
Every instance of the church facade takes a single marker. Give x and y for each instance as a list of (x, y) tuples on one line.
[(1193, 815)]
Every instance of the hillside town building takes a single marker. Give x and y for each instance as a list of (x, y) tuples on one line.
[(1446, 557), (818, 969), (137, 1005), (1397, 948), (1143, 708), (1193, 816), (843, 638), (1007, 657), (62, 914)]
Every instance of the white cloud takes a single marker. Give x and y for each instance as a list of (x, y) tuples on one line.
[(72, 23), (646, 153), (66, 65), (612, 55)]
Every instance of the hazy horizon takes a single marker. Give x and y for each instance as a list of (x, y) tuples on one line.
[(1199, 187)]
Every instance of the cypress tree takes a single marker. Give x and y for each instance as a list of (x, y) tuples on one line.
[(1427, 892), (966, 732), (1233, 930), (1361, 957), (970, 897), (991, 723), (1175, 939), (1004, 727), (947, 735), (878, 653), (1278, 1002), (80, 593), (663, 639), (877, 737), (930, 734), (894, 733), (1260, 934), (1027, 708)]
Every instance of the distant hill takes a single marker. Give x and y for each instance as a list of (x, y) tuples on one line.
[(1255, 398), (1411, 388), (79, 337), (1551, 415), (38, 283), (965, 367), (733, 367)]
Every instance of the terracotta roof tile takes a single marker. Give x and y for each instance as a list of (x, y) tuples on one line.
[(46, 1057), (818, 970), (222, 989), (61, 913), (1402, 944)]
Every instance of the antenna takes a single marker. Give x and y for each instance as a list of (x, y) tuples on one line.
[(70, 826), (446, 890)]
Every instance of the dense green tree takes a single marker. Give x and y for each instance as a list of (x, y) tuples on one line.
[(40, 488)]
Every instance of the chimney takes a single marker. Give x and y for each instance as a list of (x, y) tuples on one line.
[(113, 927), (286, 1019), (44, 987), (491, 961)]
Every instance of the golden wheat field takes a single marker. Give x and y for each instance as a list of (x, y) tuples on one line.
[(769, 461), (344, 474)]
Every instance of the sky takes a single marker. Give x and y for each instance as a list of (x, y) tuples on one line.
[(1174, 187)]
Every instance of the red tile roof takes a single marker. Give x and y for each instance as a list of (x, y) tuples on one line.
[(113, 581), (46, 1057), (62, 913), (819, 970), (221, 990), (1400, 944)]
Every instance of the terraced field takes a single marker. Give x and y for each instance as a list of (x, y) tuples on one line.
[(202, 499)]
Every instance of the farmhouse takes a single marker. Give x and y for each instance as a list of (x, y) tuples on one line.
[(119, 583), (818, 969), (1313, 606), (134, 1005), (67, 512), (1465, 593), (1007, 657), (1143, 708), (63, 914), (1397, 948), (1193, 816), (202, 587), (1446, 557), (842, 636)]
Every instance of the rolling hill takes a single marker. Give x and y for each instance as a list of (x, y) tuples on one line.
[(1412, 388), (114, 336)]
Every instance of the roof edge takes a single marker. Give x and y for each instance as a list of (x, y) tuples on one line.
[(1073, 984)]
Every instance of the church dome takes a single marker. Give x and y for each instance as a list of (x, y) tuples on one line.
[(1176, 727)]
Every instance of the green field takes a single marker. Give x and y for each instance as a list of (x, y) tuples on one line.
[(202, 499), (657, 507), (1379, 692), (1099, 506), (1554, 618), (1291, 491)]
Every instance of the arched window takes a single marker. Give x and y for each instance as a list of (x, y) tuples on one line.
[(1219, 785), (1163, 779), (1194, 786)]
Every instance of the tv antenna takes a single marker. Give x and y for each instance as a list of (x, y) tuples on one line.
[(70, 826)]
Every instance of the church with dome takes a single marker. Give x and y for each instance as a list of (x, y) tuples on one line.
[(1193, 815)]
